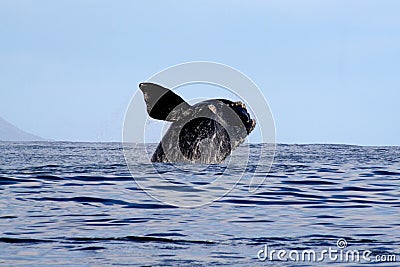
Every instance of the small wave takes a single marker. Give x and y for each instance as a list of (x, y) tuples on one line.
[(144, 239), (309, 182), (386, 173), (88, 178), (84, 200), (165, 234), (138, 239), (9, 180), (13, 240), (365, 189), (267, 202), (48, 177), (90, 248)]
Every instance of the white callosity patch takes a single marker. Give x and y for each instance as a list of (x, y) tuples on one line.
[(213, 109)]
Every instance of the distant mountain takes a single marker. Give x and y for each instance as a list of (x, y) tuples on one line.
[(9, 132)]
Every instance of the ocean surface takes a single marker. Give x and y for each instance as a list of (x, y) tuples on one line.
[(76, 204)]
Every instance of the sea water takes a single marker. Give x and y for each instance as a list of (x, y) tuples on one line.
[(76, 204)]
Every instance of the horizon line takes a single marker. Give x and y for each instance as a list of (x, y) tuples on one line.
[(252, 143)]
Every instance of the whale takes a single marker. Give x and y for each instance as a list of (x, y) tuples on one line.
[(203, 133)]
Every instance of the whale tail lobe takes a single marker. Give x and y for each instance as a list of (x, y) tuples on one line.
[(162, 103)]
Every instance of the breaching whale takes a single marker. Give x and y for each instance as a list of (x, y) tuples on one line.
[(206, 132)]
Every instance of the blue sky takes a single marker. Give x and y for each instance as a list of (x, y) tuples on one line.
[(329, 69)]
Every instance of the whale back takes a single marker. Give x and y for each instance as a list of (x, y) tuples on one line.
[(206, 135)]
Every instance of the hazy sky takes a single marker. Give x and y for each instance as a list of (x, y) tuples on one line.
[(329, 69)]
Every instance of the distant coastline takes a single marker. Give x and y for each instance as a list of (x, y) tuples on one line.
[(9, 132)]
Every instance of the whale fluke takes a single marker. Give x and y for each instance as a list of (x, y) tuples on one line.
[(162, 103)]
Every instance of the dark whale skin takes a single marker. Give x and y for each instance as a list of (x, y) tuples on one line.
[(205, 133)]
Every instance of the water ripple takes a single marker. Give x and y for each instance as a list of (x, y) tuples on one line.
[(62, 203)]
